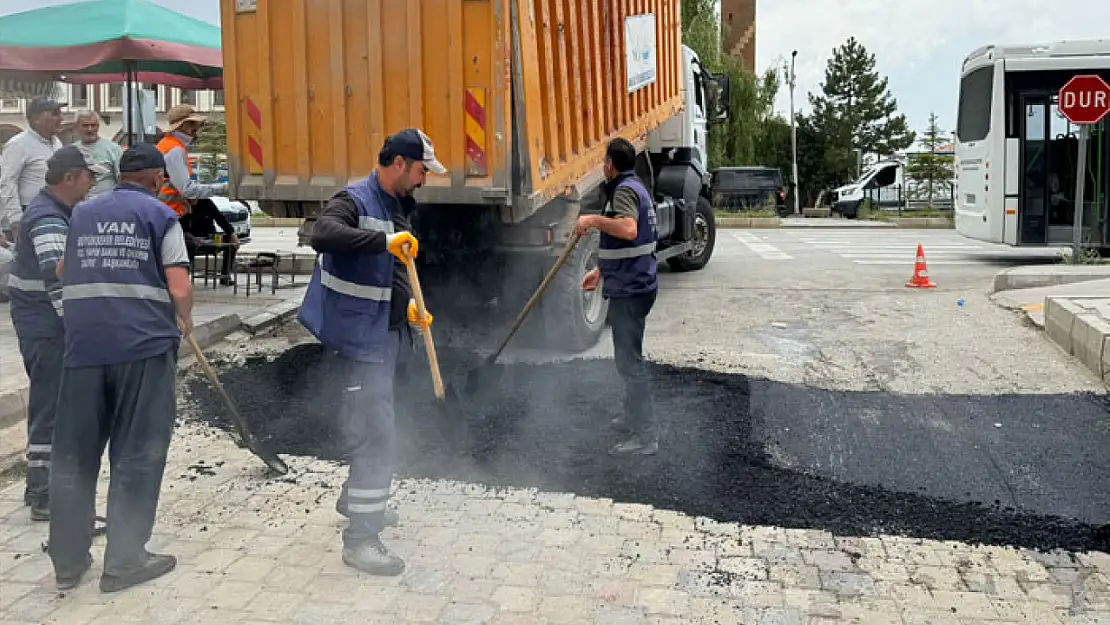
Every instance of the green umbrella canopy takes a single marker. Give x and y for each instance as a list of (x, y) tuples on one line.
[(100, 40)]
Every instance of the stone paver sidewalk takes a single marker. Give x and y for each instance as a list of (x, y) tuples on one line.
[(257, 550)]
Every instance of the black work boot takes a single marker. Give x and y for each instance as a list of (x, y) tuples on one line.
[(637, 445), (390, 517), (371, 556), (68, 580), (153, 567)]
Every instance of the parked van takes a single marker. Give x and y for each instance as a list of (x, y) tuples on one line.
[(884, 183)]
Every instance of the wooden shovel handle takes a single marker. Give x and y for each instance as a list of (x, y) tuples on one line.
[(429, 344)]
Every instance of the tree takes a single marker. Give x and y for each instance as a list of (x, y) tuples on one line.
[(855, 108), (211, 144), (738, 141), (929, 168)]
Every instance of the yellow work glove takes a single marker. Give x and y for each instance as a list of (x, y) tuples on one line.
[(395, 243), (414, 317)]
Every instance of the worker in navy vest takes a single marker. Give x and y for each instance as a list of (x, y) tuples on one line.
[(627, 273), (36, 309), (359, 305), (126, 288)]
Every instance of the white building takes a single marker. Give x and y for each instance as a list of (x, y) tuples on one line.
[(108, 101)]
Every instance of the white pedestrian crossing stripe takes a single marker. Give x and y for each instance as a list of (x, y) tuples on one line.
[(900, 248), (765, 250)]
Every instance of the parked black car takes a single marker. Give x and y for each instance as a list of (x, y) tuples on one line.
[(748, 188)]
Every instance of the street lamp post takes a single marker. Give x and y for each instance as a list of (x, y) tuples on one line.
[(794, 137)]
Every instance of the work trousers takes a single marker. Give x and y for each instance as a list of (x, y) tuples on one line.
[(131, 408), (368, 435), (628, 319), (42, 359)]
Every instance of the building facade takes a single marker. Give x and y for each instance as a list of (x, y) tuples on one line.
[(738, 30), (108, 101)]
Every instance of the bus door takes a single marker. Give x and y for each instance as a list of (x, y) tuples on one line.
[(1033, 157)]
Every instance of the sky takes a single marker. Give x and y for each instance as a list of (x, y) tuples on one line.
[(918, 44)]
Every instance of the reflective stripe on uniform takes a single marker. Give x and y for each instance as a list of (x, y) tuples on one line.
[(20, 284), (367, 493), (38, 449), (110, 289), (38, 464), (366, 508), (626, 252), (361, 291), (373, 223)]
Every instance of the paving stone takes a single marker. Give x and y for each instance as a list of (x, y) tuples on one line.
[(566, 610), (966, 604), (938, 578), (518, 573), (466, 614), (993, 584), (232, 595), (1025, 612), (813, 602), (848, 584), (665, 575), (915, 617), (621, 616), (273, 605), (795, 576), (829, 560), (425, 580), (779, 616), (251, 568), (663, 601), (515, 598), (419, 608)]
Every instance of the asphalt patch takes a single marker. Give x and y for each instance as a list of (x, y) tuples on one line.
[(547, 427)]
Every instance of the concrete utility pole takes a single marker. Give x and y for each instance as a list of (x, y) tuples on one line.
[(794, 137)]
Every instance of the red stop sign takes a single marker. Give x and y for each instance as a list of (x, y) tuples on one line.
[(1085, 99)]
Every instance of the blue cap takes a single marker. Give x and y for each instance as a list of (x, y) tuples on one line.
[(413, 143), (141, 157)]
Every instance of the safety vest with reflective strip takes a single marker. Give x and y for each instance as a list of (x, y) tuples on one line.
[(34, 314), (114, 290), (346, 306), (169, 193), (629, 267)]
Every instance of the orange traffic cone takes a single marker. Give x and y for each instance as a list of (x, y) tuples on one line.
[(920, 279)]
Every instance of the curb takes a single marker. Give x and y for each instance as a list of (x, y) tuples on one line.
[(13, 404), (818, 223), (1017, 278), (1080, 333)]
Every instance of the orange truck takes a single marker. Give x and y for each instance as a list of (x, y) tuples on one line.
[(521, 98)]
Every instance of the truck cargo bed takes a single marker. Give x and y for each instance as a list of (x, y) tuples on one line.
[(520, 97)]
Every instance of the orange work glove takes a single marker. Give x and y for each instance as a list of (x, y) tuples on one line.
[(395, 243), (414, 317)]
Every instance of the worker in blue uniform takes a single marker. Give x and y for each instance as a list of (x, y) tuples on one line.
[(125, 291), (627, 273), (359, 305), (36, 309)]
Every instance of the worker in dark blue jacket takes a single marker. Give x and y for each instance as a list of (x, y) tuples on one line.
[(125, 291), (36, 293), (359, 305), (627, 269)]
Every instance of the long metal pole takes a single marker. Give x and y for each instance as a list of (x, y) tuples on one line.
[(1080, 183), (794, 138)]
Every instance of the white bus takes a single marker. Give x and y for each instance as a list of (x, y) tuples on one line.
[(1016, 156)]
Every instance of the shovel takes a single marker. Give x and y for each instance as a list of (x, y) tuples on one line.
[(486, 374), (267, 455), (429, 344)]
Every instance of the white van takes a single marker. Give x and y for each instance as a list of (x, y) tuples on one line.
[(884, 183)]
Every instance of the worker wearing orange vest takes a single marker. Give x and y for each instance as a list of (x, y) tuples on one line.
[(180, 188)]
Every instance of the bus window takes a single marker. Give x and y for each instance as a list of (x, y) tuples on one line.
[(976, 91)]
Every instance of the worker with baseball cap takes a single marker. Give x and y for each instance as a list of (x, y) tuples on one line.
[(126, 288), (36, 309), (359, 305)]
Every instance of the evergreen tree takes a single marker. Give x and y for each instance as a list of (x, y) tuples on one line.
[(855, 109), (928, 168)]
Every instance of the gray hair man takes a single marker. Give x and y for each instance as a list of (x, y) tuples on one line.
[(103, 152)]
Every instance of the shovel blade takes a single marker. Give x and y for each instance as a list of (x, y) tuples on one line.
[(484, 378)]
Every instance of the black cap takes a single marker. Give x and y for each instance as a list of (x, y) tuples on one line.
[(413, 143), (41, 105), (70, 158), (141, 157)]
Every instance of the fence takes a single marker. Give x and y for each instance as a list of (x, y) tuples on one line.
[(914, 198)]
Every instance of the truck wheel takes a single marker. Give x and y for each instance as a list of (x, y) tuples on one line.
[(572, 318), (705, 237)]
